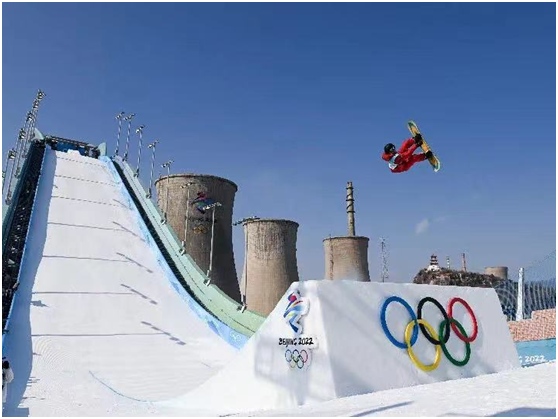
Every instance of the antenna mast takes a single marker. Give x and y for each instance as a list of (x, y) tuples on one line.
[(385, 271), (350, 209)]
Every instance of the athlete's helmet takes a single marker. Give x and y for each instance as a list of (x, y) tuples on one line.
[(389, 148)]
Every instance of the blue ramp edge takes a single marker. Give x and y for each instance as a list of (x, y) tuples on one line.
[(231, 336), (536, 351)]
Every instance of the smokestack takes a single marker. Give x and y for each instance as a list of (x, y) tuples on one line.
[(448, 265), (463, 263), (350, 209), (347, 257), (498, 271), (197, 238), (270, 265)]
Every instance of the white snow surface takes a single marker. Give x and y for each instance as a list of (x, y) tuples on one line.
[(523, 392), (96, 325)]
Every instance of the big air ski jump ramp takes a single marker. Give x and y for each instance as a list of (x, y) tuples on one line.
[(108, 320)]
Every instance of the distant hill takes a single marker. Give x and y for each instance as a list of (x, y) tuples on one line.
[(445, 276)]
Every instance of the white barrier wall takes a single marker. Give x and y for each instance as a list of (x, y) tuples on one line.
[(348, 351)]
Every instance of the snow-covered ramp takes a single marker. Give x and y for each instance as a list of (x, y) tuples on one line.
[(97, 328)]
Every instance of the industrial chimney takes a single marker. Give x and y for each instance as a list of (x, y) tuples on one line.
[(346, 257), (270, 265), (498, 271), (193, 225)]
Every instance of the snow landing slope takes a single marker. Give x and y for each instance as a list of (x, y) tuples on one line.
[(516, 393), (96, 328)]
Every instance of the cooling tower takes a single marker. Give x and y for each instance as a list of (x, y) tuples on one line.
[(270, 262), (198, 236), (498, 271), (346, 258)]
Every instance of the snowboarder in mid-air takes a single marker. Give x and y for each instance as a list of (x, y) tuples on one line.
[(403, 159)]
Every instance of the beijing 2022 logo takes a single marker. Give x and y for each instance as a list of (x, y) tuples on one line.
[(439, 339), (298, 349), (296, 308)]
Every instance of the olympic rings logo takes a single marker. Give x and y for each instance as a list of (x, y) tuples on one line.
[(296, 358), (438, 339), (200, 229)]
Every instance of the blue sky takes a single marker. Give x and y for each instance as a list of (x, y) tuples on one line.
[(291, 101)]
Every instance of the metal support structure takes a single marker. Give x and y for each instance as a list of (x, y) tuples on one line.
[(20, 150), (152, 146), (519, 311), (187, 186), (385, 272), (23, 143), (119, 118), (17, 152), (34, 111), (129, 119), (33, 122), (139, 131), (245, 274), (212, 207), (350, 209), (10, 156), (244, 220), (166, 165), (28, 135)]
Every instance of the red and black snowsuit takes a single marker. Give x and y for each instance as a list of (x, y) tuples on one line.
[(404, 159)]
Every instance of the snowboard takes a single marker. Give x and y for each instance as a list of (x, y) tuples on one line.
[(434, 161)]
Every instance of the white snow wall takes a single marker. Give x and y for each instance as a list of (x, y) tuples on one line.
[(353, 355)]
